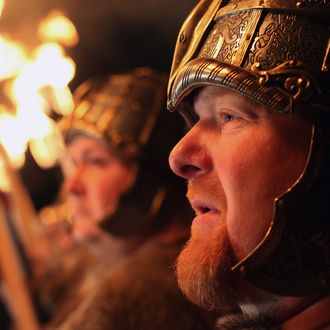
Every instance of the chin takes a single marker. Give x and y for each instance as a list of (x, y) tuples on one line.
[(204, 271)]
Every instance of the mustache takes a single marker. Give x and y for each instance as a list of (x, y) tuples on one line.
[(209, 190)]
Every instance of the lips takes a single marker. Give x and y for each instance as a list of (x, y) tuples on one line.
[(202, 207), (79, 210), (207, 218)]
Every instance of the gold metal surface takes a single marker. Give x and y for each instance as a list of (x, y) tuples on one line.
[(326, 61), (316, 7), (191, 34), (247, 38)]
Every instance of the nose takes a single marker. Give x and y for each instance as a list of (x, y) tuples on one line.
[(190, 158), (73, 183)]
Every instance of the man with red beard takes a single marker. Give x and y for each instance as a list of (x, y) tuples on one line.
[(252, 80)]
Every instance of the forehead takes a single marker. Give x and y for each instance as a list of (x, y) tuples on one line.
[(211, 97), (82, 144)]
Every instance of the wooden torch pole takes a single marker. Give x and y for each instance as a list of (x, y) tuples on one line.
[(19, 298)]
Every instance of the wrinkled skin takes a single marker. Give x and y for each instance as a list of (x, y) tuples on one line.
[(237, 159)]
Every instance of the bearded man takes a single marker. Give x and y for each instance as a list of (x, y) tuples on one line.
[(252, 80)]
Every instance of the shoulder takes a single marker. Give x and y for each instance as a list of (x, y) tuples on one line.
[(142, 293)]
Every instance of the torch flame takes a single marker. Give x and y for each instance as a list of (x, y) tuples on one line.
[(13, 138), (33, 85), (57, 27), (12, 57), (2, 3)]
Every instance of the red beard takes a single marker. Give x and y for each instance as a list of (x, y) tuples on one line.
[(204, 271)]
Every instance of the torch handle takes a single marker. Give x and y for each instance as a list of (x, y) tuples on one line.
[(19, 298), (23, 214)]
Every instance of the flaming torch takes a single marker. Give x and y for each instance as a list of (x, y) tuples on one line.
[(33, 86), (35, 83)]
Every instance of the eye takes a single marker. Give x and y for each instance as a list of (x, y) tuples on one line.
[(229, 117), (230, 120), (226, 117)]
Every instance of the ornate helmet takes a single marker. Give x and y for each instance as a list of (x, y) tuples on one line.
[(126, 112), (277, 53)]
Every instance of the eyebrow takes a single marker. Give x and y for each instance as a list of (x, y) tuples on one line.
[(88, 151), (246, 106)]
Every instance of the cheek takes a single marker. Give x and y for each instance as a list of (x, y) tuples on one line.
[(100, 196), (249, 205), (107, 192), (111, 185), (253, 172)]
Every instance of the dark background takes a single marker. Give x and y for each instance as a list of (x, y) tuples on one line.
[(115, 35)]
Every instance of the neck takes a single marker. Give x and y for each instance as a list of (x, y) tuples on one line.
[(277, 309), (314, 316)]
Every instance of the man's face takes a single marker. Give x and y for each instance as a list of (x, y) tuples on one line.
[(94, 183), (238, 158)]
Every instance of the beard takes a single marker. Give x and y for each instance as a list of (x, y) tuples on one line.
[(204, 273), (203, 268)]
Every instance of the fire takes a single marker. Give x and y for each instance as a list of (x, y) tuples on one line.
[(2, 3), (56, 27), (14, 138), (12, 57), (33, 85)]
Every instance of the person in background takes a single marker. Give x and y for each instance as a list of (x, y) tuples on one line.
[(127, 209), (252, 80)]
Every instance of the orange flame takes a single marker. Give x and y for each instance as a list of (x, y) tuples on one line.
[(12, 57), (33, 84), (56, 27), (2, 3)]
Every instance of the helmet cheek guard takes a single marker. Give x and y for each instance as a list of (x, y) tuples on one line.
[(277, 53)]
